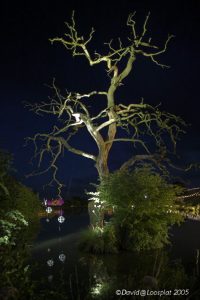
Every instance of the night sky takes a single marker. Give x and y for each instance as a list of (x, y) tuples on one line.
[(29, 62)]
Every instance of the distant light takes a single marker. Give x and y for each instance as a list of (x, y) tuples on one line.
[(62, 257), (48, 209), (77, 117), (47, 220), (50, 262), (145, 196), (61, 219)]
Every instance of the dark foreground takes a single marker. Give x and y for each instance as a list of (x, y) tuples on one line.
[(58, 266)]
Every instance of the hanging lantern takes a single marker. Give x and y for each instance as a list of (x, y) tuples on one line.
[(62, 257), (48, 209), (61, 219), (50, 262)]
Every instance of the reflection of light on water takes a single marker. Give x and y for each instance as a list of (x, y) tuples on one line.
[(61, 219), (50, 262), (50, 278), (62, 257)]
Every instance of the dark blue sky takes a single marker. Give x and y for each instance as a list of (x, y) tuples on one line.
[(29, 61)]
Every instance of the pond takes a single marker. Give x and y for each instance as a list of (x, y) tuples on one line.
[(63, 271)]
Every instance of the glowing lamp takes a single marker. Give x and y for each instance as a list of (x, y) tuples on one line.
[(48, 209), (77, 117)]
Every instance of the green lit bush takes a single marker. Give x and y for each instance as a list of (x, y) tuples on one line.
[(99, 240), (143, 207), (10, 226), (19, 208)]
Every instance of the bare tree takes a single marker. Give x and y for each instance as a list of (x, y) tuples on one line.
[(138, 120)]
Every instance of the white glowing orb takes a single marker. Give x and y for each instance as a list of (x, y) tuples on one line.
[(61, 219), (145, 196), (50, 262), (49, 210), (62, 257), (77, 117), (47, 220)]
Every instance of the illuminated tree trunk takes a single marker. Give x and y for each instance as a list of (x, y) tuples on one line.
[(102, 164), (71, 112), (96, 214)]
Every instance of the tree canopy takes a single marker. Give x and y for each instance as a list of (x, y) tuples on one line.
[(138, 122)]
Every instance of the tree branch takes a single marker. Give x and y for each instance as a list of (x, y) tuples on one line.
[(128, 140)]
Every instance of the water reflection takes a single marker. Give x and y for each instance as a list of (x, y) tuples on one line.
[(98, 277), (76, 276), (62, 272), (132, 272), (50, 262), (62, 257)]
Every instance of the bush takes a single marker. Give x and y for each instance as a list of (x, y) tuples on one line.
[(20, 198), (99, 240), (144, 207), (13, 194), (10, 227)]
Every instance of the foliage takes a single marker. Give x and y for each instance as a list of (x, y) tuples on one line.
[(20, 198), (18, 207), (144, 207), (13, 194), (16, 236), (27, 202), (12, 223), (15, 273), (134, 271), (99, 240), (18, 226)]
